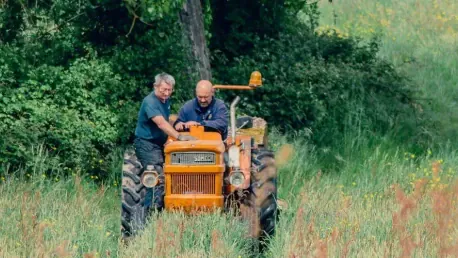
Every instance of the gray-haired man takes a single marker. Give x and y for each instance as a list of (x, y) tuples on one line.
[(152, 130)]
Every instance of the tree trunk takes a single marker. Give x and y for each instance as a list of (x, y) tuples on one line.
[(194, 35)]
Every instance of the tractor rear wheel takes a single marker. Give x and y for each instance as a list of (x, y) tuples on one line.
[(133, 212), (259, 207)]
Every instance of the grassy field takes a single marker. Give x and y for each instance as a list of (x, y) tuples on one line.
[(382, 204), (420, 37)]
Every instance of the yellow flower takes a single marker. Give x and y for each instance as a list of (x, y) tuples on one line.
[(354, 183)]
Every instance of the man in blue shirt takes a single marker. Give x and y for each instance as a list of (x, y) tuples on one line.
[(152, 130), (204, 110)]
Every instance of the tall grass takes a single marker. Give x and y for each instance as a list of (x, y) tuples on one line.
[(420, 38), (380, 204), (41, 217)]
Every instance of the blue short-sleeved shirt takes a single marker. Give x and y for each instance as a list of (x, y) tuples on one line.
[(146, 128)]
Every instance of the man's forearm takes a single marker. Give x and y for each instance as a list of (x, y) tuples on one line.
[(169, 130), (218, 124)]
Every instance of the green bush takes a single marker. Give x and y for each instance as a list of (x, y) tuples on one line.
[(73, 75), (324, 83), (72, 81)]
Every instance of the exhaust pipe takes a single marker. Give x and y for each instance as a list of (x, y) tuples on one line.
[(233, 123)]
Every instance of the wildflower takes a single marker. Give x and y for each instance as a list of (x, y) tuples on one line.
[(3, 179), (108, 234), (354, 183), (385, 23), (412, 156)]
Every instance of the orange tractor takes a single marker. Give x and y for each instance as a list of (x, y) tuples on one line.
[(238, 174)]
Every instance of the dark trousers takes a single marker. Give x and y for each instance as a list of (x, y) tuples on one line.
[(150, 153)]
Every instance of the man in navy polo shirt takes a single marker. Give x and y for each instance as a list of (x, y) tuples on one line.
[(204, 110), (152, 130)]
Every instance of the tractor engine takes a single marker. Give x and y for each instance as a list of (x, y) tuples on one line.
[(194, 172)]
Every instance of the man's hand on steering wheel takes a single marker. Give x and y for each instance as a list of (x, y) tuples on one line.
[(180, 126)]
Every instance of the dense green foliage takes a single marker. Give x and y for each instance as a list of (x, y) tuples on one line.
[(73, 81), (321, 82), (73, 74), (326, 84)]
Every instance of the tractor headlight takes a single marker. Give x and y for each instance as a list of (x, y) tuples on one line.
[(236, 178), (150, 179)]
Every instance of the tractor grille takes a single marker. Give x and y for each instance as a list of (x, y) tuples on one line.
[(193, 158), (193, 184)]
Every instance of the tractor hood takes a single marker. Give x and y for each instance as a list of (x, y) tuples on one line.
[(198, 145)]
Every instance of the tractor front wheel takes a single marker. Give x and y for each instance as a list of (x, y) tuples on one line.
[(133, 212)]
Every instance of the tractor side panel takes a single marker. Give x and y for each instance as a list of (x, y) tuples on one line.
[(244, 143)]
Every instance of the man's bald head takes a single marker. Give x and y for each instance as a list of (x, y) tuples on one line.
[(204, 93)]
